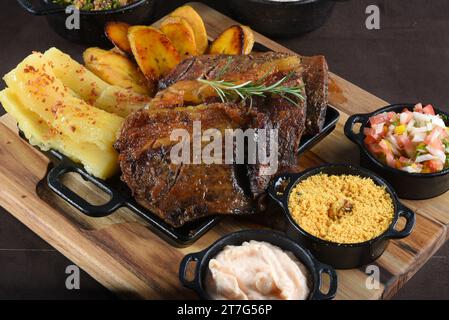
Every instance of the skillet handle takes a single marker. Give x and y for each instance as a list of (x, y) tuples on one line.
[(280, 195), (42, 10), (349, 127), (194, 283), (56, 185), (322, 268), (410, 218)]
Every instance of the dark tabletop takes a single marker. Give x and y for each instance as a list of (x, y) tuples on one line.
[(407, 60)]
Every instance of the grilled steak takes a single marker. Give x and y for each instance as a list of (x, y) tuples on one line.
[(179, 192), (316, 78), (243, 68), (269, 113)]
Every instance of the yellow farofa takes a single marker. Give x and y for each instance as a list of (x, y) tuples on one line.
[(371, 213)]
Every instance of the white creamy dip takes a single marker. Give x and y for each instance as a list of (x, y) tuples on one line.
[(256, 271)]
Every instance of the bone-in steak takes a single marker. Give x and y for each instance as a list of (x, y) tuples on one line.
[(179, 193)]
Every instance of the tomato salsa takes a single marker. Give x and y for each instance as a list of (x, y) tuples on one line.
[(414, 141)]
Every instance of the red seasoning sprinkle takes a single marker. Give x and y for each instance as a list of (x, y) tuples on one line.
[(29, 69)]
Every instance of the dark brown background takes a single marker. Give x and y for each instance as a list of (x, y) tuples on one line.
[(406, 60)]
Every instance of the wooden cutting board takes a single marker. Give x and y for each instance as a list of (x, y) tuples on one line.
[(126, 257)]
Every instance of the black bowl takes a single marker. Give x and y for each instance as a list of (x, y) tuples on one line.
[(283, 19), (91, 31), (340, 256), (416, 186), (315, 269)]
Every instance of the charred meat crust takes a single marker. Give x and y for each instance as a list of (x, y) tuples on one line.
[(179, 193), (316, 78), (182, 193)]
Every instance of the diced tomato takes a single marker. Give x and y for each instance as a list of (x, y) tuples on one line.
[(407, 144), (391, 115), (375, 148), (371, 132), (390, 160), (385, 146), (434, 165), (404, 160), (433, 140), (429, 110), (382, 117), (443, 132), (370, 140)]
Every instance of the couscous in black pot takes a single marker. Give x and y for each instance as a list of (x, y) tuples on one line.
[(340, 256), (91, 26)]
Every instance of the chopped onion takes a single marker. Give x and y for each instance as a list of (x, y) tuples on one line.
[(421, 118), (410, 125), (379, 128), (419, 130), (391, 128), (439, 154), (425, 157), (410, 169), (419, 137), (394, 144), (402, 117), (437, 121)]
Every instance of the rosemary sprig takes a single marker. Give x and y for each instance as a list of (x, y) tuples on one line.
[(230, 91)]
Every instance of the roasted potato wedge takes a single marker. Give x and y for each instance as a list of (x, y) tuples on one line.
[(153, 51), (117, 33), (181, 34), (197, 24), (234, 40), (116, 70)]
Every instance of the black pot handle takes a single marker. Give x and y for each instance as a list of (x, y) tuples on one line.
[(333, 286), (194, 283), (349, 127), (410, 218), (42, 10), (55, 184), (279, 195)]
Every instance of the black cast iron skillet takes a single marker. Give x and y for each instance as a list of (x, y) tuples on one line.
[(91, 31), (120, 195), (416, 186), (283, 19), (315, 268), (340, 256)]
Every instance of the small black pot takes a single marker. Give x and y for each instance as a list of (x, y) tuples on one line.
[(92, 23), (315, 269), (416, 186), (283, 19), (340, 256)]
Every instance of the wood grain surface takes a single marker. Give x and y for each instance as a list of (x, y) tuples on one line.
[(126, 257)]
